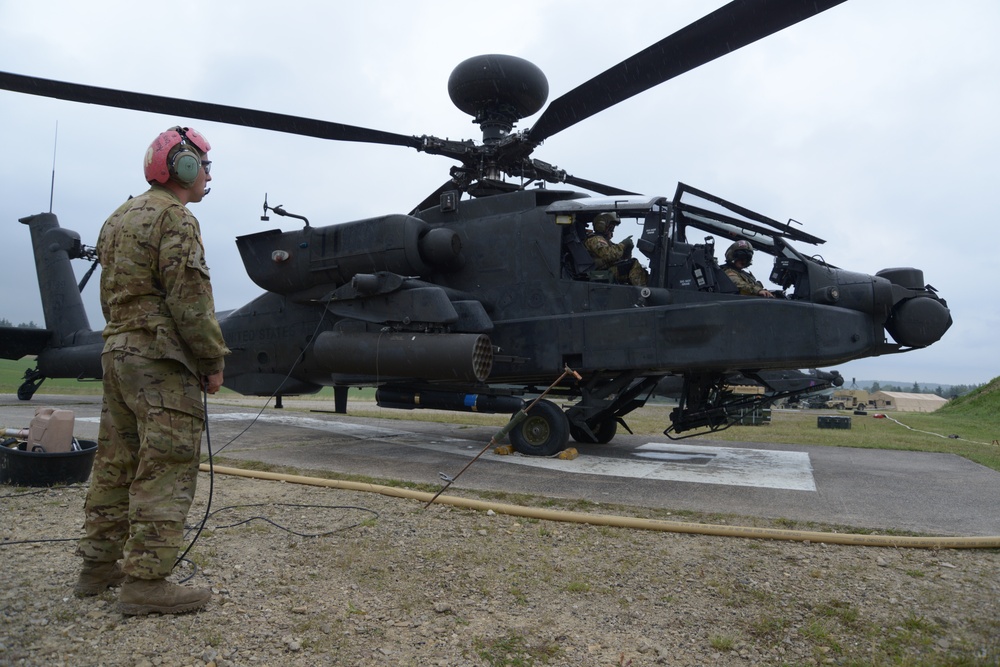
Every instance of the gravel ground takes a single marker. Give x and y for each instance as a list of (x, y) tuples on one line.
[(394, 584)]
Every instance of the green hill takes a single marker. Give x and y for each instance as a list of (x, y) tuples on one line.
[(983, 403)]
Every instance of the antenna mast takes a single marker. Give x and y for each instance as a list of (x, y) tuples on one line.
[(52, 185)]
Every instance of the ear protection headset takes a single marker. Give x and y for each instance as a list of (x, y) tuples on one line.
[(177, 154), (184, 166)]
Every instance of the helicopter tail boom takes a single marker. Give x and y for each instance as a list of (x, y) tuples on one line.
[(17, 342), (67, 347), (54, 247)]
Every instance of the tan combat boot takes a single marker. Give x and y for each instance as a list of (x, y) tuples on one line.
[(159, 596), (97, 577)]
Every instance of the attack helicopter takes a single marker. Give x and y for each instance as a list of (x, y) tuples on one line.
[(423, 307)]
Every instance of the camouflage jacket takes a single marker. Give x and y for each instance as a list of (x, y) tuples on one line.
[(744, 280), (156, 293), (604, 252)]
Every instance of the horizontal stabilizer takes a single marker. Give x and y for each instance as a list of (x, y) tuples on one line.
[(17, 342)]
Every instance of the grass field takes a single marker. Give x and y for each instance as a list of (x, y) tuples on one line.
[(974, 420), (12, 374)]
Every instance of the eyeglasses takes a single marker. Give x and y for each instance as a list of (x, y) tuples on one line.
[(207, 165)]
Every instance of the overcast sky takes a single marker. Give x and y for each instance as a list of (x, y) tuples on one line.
[(874, 124)]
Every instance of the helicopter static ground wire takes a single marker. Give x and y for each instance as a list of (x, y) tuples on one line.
[(518, 417)]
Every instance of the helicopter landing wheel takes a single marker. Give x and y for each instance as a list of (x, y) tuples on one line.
[(544, 432), (32, 381), (603, 433)]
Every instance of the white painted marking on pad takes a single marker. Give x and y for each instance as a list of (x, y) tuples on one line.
[(690, 463), (351, 429), (730, 466)]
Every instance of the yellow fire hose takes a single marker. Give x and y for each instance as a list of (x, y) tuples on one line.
[(631, 522)]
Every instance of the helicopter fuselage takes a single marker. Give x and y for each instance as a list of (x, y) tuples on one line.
[(503, 267), (476, 304)]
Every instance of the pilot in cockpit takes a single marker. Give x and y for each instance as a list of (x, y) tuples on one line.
[(739, 256), (614, 257)]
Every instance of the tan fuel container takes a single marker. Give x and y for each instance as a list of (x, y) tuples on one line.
[(51, 430)]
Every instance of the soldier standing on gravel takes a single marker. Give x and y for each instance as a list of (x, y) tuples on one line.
[(163, 347)]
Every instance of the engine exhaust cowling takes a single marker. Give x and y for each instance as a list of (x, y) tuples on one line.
[(308, 263)]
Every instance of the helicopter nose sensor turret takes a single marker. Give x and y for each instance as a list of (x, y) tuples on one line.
[(498, 91), (918, 317)]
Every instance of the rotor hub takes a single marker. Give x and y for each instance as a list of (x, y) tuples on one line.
[(497, 91)]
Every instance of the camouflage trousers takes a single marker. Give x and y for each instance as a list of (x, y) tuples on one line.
[(146, 467), (632, 272)]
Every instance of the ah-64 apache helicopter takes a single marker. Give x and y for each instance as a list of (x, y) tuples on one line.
[(423, 306)]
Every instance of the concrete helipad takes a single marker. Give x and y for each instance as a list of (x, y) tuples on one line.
[(939, 494)]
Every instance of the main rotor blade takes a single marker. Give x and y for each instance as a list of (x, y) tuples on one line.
[(600, 188), (434, 198), (170, 106), (728, 28)]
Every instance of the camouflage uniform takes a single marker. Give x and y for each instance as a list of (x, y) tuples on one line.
[(161, 338), (614, 257), (744, 280)]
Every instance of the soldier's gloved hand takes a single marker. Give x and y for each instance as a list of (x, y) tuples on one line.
[(628, 244)]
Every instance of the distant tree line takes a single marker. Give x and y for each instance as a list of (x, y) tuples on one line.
[(952, 391), (4, 322)]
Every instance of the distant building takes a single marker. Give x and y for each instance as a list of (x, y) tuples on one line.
[(906, 402)]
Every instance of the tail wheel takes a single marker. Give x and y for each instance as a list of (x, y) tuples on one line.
[(33, 379), (603, 433), (544, 432)]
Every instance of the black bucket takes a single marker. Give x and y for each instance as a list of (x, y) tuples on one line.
[(21, 468)]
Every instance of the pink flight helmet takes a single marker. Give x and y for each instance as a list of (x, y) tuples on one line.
[(159, 165)]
